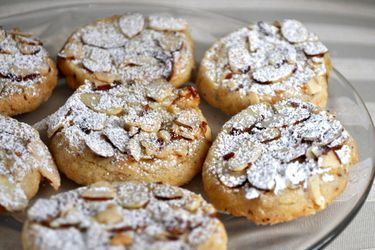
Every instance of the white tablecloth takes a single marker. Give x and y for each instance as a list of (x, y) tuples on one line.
[(348, 29)]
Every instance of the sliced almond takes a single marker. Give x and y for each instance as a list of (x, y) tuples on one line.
[(103, 35), (314, 190), (104, 77), (110, 215), (294, 31), (91, 100), (3, 34), (239, 59), (271, 73), (99, 191), (232, 179), (28, 49), (164, 135), (246, 153), (329, 160), (150, 147), (193, 203), (121, 240), (140, 60), (135, 200), (151, 121), (96, 142), (167, 23), (159, 92), (344, 154), (131, 24), (188, 118), (252, 193), (269, 134), (134, 148), (164, 192), (314, 48), (118, 137), (170, 42)]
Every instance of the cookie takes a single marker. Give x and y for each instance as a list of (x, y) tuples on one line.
[(24, 161), (127, 215), (265, 63), (27, 73), (147, 131), (277, 163), (128, 47)]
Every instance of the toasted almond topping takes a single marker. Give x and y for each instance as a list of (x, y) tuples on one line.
[(193, 203), (135, 200), (294, 31), (109, 216), (167, 23), (239, 59), (99, 191), (122, 240), (273, 74), (167, 192), (170, 42), (131, 24)]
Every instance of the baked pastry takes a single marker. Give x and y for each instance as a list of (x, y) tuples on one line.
[(147, 131), (265, 63), (27, 73), (128, 47), (24, 161), (127, 215), (277, 163)]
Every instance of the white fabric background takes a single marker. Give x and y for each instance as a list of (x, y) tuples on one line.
[(348, 29)]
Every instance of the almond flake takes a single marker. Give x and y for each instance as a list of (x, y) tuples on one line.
[(99, 145), (239, 59), (245, 154), (231, 179), (118, 137), (99, 191), (103, 35), (170, 42), (167, 23), (314, 48), (131, 24), (165, 192), (110, 215), (273, 74), (294, 31), (121, 240)]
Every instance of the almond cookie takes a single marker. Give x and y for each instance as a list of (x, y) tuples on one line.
[(277, 163), (24, 161), (147, 131), (27, 73), (265, 63), (129, 215), (128, 47)]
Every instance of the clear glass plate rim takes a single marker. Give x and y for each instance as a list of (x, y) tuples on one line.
[(330, 236)]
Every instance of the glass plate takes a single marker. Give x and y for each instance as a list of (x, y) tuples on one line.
[(53, 25)]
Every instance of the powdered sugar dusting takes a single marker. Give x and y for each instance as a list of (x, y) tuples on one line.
[(272, 148), (130, 47), (266, 59), (21, 152), (70, 221), (126, 122), (23, 62)]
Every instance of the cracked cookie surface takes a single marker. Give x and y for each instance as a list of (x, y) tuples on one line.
[(274, 163), (128, 47), (127, 215), (265, 63)]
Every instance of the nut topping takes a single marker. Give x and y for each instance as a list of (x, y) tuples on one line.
[(110, 215), (239, 59), (294, 31), (167, 192), (167, 23), (99, 191), (131, 24), (121, 240)]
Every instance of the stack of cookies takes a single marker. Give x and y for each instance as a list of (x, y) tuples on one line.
[(130, 134)]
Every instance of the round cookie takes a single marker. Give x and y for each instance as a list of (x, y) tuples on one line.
[(24, 161), (277, 163), (128, 47), (265, 63), (147, 131), (27, 73), (127, 215)]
